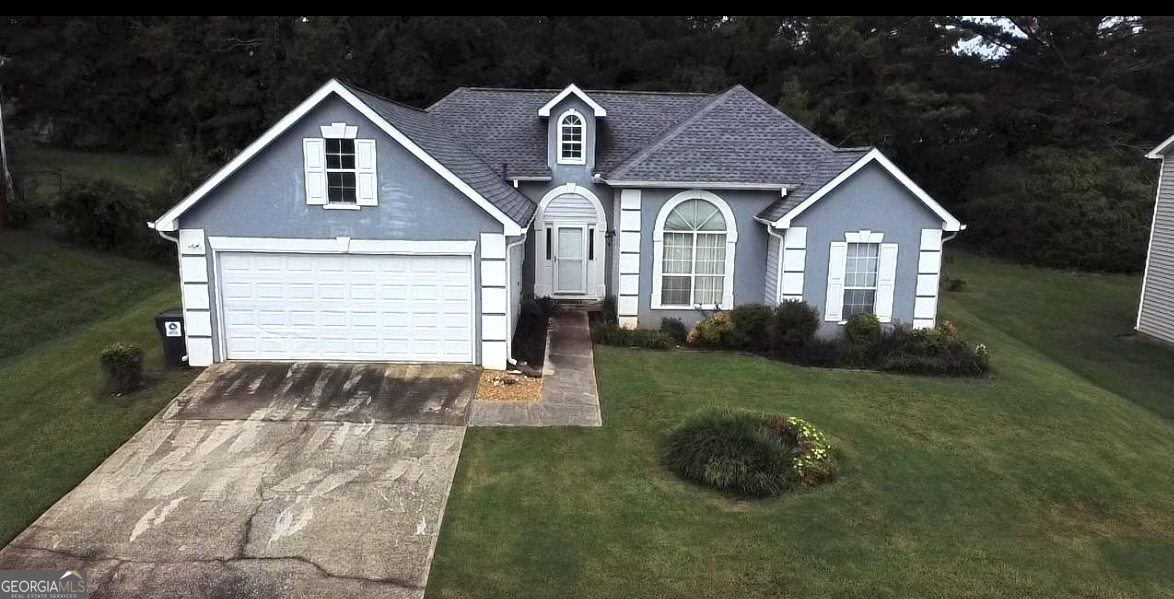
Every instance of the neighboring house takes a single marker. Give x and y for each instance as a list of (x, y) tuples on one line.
[(361, 229), (1155, 312)]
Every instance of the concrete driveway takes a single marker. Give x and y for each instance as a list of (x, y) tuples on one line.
[(269, 480)]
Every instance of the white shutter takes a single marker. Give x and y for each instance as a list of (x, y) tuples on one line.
[(314, 150), (366, 174), (886, 281), (834, 301)]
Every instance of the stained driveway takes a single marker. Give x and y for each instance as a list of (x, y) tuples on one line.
[(265, 480)]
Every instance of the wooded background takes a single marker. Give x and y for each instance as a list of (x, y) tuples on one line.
[(1036, 141)]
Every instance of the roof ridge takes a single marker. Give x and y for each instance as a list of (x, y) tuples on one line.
[(821, 140), (656, 92), (855, 149), (670, 133), (450, 94), (383, 98)]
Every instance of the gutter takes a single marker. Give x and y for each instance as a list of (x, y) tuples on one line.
[(780, 187)]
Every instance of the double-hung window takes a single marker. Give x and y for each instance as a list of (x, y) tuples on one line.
[(571, 141), (694, 263), (860, 278), (341, 172)]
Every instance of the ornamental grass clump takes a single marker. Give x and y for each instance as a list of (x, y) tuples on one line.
[(749, 455)]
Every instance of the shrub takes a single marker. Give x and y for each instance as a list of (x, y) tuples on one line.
[(675, 329), (621, 337), (823, 353), (930, 351), (862, 328), (610, 311), (748, 454), (793, 325), (109, 216), (122, 363), (751, 327), (711, 331), (542, 307)]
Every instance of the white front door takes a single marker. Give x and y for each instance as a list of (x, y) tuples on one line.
[(570, 260), (325, 307)]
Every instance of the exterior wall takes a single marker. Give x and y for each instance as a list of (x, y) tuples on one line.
[(517, 267), (749, 257), (872, 200), (1156, 312), (266, 198)]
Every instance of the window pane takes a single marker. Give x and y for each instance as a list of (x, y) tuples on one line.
[(678, 253), (674, 291), (333, 146), (857, 301), (695, 215), (346, 146), (333, 161), (348, 161), (709, 290), (860, 268), (340, 187), (711, 254)]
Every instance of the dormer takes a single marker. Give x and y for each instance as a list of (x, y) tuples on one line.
[(572, 119)]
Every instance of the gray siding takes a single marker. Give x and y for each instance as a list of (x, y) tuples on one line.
[(1156, 314), (749, 255), (516, 257), (871, 199), (773, 253), (266, 198)]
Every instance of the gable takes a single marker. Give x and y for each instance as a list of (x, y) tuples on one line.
[(871, 198), (266, 196), (426, 138)]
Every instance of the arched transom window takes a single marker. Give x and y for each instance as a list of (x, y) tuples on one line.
[(571, 140), (693, 264)]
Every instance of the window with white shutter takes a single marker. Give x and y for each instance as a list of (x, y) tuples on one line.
[(340, 169)]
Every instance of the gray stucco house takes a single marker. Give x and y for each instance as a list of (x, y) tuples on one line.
[(360, 229), (1155, 311)]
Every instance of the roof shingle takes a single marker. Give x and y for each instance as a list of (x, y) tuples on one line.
[(826, 170)]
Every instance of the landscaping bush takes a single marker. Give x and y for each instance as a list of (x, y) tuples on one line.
[(122, 363), (609, 311), (822, 353), (936, 351), (863, 328), (675, 328), (748, 454), (621, 337), (793, 326), (711, 331), (751, 327), (109, 216)]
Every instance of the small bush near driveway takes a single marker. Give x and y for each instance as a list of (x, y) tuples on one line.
[(122, 363), (610, 334), (749, 454)]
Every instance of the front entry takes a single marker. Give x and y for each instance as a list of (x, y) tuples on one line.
[(570, 260)]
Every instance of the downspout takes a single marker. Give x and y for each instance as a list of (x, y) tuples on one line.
[(174, 240), (509, 342)]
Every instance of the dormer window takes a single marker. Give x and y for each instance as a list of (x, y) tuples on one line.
[(340, 168), (571, 139)]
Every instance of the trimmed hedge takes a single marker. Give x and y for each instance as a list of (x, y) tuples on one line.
[(748, 454), (621, 337), (675, 328)]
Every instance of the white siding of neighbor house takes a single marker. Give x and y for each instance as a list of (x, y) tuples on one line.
[(1156, 313)]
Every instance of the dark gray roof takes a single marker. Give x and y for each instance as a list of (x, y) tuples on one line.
[(438, 141), (502, 125), (829, 168), (736, 138)]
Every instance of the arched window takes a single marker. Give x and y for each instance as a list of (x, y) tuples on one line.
[(695, 251), (571, 139)]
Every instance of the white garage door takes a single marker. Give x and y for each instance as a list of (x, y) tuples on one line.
[(347, 307)]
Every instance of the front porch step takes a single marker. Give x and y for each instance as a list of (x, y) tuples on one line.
[(579, 305)]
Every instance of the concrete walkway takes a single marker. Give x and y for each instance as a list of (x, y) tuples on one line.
[(569, 394)]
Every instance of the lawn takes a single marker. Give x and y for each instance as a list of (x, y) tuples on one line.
[(1051, 479), (58, 424), (52, 168)]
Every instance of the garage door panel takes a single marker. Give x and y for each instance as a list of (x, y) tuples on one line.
[(345, 307)]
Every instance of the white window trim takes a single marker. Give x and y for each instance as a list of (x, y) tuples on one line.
[(582, 159), (339, 131), (354, 170), (596, 109), (658, 250), (863, 236)]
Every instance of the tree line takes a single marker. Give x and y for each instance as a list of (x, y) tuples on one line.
[(1035, 136)]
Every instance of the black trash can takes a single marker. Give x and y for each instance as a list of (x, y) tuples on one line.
[(170, 325)]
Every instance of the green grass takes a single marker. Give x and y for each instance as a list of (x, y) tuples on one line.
[(1051, 479), (52, 289), (50, 169), (57, 423)]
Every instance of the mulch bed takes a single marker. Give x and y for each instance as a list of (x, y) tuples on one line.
[(530, 339)]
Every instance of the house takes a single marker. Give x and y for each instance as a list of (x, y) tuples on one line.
[(360, 229), (1155, 311)]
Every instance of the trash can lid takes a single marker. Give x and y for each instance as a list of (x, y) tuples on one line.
[(172, 313)]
